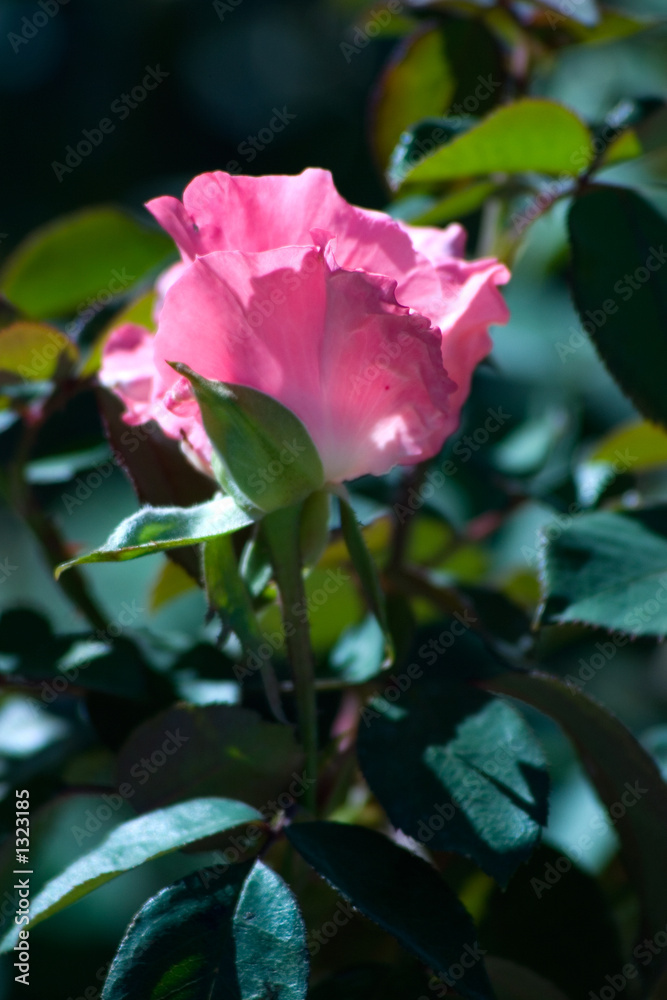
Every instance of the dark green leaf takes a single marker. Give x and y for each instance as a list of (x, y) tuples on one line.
[(233, 935), (480, 82), (252, 434), (609, 569), (25, 631), (153, 529), (456, 770), (71, 661), (271, 954), (113, 668), (133, 843), (78, 256), (221, 750), (552, 908), (620, 290), (625, 777), (516, 982), (180, 944), (417, 141), (401, 893)]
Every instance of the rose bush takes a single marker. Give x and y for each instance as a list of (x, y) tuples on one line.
[(420, 718), (366, 328)]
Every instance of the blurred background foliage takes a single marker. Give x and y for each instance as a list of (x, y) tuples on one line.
[(352, 92)]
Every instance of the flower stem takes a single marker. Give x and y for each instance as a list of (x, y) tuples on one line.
[(228, 595), (282, 530)]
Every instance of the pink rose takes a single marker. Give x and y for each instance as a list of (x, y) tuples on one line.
[(366, 328)]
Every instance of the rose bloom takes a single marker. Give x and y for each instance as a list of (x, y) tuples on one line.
[(366, 328)]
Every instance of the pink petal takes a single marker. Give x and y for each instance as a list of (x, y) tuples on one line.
[(220, 317), (363, 373), (128, 367), (225, 212), (437, 244), (164, 283), (471, 303)]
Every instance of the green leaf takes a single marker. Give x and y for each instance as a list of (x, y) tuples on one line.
[(417, 82), (359, 652), (63, 467), (619, 290), (401, 893), (130, 845), (531, 135), (271, 954), (153, 529), (222, 750), (627, 146), (180, 943), (625, 777), (314, 527), (227, 592), (228, 595), (632, 449), (255, 565), (266, 459), (456, 770), (610, 570), (79, 256), (457, 203), (365, 567), (416, 142), (640, 445), (235, 936), (34, 351)]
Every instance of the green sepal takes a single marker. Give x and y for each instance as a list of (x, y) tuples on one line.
[(263, 454)]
